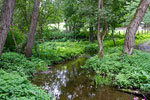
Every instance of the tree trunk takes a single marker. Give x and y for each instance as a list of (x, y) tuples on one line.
[(100, 52), (105, 30), (32, 30), (112, 34), (133, 26), (5, 20), (66, 25), (13, 37), (91, 35)]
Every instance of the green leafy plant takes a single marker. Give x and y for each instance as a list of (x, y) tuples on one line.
[(19, 38), (126, 71), (16, 87), (11, 61)]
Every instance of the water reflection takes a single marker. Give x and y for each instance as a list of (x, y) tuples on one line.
[(68, 82)]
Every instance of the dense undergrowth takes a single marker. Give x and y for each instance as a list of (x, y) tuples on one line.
[(13, 86), (124, 72), (53, 52), (128, 72), (11, 61), (14, 70)]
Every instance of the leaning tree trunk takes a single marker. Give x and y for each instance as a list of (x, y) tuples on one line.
[(32, 30), (100, 52), (5, 20), (133, 26)]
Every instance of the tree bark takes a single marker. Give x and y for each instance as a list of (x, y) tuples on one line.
[(105, 30), (133, 26), (32, 30), (5, 20), (112, 34), (91, 35), (13, 37), (100, 52)]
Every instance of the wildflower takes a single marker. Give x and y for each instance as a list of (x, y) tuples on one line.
[(135, 98)]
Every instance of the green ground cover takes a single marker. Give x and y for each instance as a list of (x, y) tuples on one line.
[(128, 72), (122, 71), (13, 86), (54, 52), (14, 70)]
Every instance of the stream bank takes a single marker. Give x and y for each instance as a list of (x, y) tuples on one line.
[(67, 81)]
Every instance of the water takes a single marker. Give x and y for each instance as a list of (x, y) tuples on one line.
[(67, 81)]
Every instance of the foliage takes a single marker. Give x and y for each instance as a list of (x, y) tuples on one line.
[(16, 87), (131, 7), (91, 48), (19, 38), (22, 15), (56, 35), (126, 72), (17, 62), (58, 51), (99, 80)]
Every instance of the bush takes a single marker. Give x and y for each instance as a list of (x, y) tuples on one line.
[(91, 48), (19, 37), (56, 34), (17, 62), (126, 72), (59, 51), (15, 87)]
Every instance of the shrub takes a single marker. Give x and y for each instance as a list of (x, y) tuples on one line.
[(59, 51), (91, 48), (56, 34), (17, 62), (16, 87), (19, 37)]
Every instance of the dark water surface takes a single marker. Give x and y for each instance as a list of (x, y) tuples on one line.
[(67, 81)]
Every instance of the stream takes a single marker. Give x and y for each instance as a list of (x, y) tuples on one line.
[(67, 81)]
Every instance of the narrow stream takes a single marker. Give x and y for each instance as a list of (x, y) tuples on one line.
[(67, 81)]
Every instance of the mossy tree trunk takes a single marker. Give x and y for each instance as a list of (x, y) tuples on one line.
[(133, 26), (100, 52)]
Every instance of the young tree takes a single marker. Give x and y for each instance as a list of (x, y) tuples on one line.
[(5, 20), (91, 35), (32, 30), (100, 52), (133, 26)]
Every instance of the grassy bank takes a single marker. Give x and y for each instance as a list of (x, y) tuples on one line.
[(13, 86), (123, 72), (54, 52), (15, 69)]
